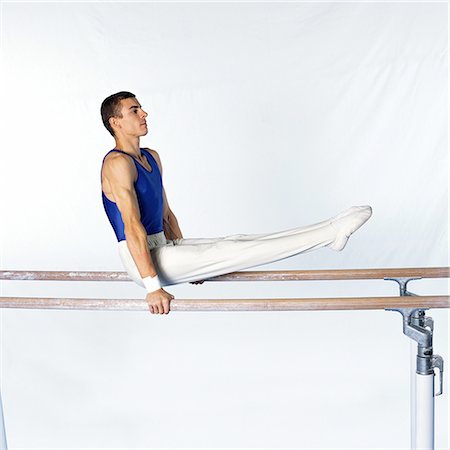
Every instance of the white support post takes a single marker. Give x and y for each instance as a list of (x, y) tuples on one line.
[(424, 439), (413, 363), (3, 445), (419, 328)]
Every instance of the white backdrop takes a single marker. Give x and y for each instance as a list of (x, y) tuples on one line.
[(267, 116)]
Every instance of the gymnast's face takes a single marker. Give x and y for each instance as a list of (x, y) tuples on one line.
[(132, 122)]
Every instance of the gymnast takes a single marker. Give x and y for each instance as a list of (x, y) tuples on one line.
[(151, 244)]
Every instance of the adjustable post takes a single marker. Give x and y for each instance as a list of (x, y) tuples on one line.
[(419, 328), (3, 444)]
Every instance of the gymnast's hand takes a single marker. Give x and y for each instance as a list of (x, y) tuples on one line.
[(159, 301)]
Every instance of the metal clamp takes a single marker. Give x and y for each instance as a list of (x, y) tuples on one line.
[(438, 363), (420, 328)]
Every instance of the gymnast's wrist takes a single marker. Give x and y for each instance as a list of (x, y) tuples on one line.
[(151, 284)]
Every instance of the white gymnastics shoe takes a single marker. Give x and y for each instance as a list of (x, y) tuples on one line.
[(347, 222)]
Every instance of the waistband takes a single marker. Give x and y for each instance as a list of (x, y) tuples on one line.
[(154, 240), (157, 239)]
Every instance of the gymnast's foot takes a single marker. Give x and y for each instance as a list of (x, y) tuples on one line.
[(347, 222)]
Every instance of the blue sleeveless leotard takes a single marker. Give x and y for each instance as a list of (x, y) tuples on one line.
[(148, 187)]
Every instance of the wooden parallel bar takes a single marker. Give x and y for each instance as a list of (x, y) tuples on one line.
[(40, 275), (260, 304), (261, 275), (336, 274)]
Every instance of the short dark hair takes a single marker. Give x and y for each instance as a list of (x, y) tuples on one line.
[(111, 108)]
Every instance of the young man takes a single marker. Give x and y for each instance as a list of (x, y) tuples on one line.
[(151, 244)]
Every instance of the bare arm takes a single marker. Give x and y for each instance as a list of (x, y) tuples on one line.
[(170, 223), (119, 173)]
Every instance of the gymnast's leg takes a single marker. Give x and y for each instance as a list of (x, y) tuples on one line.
[(249, 237), (188, 260)]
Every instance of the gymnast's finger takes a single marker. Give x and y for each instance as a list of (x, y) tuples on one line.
[(166, 306), (159, 308)]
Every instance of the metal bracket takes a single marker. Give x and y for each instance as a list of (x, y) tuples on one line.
[(419, 327), (403, 284)]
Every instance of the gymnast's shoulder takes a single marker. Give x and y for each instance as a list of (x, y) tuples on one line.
[(155, 155)]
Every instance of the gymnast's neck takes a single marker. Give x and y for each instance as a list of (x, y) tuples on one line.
[(129, 144)]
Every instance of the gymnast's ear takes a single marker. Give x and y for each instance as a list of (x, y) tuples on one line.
[(114, 122)]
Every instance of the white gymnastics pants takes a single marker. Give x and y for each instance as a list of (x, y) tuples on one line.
[(184, 260)]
